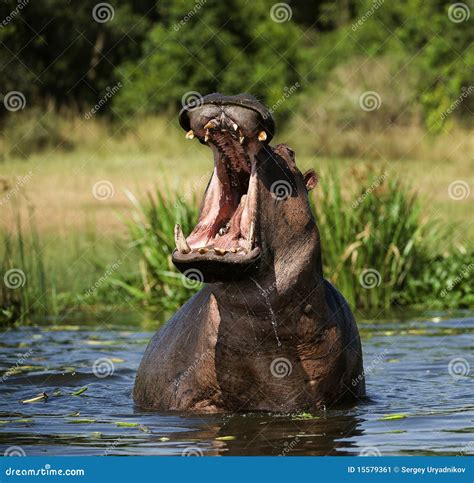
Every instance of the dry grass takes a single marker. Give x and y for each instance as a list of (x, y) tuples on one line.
[(154, 152)]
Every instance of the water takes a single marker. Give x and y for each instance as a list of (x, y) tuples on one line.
[(418, 404)]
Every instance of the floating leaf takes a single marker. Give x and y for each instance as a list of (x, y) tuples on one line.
[(389, 417), (124, 424), (225, 438), (164, 439), (40, 397), (82, 421), (80, 391)]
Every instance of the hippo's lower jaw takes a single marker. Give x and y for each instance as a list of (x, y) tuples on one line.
[(224, 244)]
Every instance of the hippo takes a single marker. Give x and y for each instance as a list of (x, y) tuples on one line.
[(266, 332)]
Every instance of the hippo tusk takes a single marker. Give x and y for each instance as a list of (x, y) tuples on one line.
[(190, 134), (181, 243), (262, 136)]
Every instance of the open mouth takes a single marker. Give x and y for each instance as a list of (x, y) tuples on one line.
[(226, 232)]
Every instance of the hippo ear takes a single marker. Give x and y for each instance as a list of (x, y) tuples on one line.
[(310, 179)]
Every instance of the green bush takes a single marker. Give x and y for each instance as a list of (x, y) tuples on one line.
[(200, 47)]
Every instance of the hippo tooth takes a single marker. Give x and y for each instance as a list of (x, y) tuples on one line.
[(181, 243), (220, 251), (190, 134), (262, 136), (203, 250), (241, 139), (250, 237), (206, 137), (210, 125), (235, 126)]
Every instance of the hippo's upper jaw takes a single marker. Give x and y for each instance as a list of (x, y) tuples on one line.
[(224, 245)]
